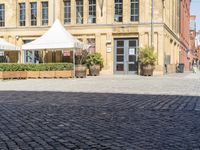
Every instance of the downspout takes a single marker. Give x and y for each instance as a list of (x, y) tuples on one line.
[(152, 27), (54, 7)]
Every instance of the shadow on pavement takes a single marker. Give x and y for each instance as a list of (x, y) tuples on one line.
[(86, 121)]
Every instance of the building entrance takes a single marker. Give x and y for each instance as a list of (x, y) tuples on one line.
[(125, 56)]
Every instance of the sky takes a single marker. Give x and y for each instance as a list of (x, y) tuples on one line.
[(195, 10)]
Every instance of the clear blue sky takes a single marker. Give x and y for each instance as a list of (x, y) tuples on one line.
[(195, 10)]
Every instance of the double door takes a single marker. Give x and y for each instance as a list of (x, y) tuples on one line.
[(126, 56)]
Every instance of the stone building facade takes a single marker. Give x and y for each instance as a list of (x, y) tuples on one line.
[(185, 34), (116, 28)]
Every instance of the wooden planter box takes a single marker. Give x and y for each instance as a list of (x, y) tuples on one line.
[(14, 75), (23, 74), (33, 74), (63, 74), (1, 75), (47, 74)]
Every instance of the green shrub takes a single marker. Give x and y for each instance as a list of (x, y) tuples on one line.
[(147, 56), (36, 67), (94, 59)]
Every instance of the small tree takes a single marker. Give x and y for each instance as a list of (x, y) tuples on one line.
[(81, 57)]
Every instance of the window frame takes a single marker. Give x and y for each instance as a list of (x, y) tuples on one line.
[(33, 12), (134, 10), (92, 11), (22, 14), (45, 13), (79, 6), (118, 10), (67, 11), (2, 14)]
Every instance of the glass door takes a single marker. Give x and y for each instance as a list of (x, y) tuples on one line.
[(125, 56), (131, 56), (119, 56)]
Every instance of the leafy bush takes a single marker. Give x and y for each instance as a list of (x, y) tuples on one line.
[(94, 59), (147, 56), (36, 67)]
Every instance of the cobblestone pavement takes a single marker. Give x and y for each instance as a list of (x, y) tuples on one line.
[(101, 113), (98, 121)]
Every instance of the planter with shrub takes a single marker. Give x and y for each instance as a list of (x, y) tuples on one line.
[(13, 71), (147, 59), (95, 63), (81, 68)]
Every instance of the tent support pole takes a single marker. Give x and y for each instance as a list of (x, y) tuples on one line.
[(74, 62)]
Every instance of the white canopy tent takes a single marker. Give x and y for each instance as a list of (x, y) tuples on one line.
[(5, 46), (54, 39)]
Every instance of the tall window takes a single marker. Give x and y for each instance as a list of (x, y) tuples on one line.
[(2, 15), (92, 11), (67, 11), (22, 14), (79, 11), (134, 10), (33, 14), (45, 13), (118, 10)]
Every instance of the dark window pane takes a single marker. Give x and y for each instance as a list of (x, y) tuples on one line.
[(120, 67), (120, 43), (132, 43), (120, 50), (120, 58), (132, 67), (132, 58)]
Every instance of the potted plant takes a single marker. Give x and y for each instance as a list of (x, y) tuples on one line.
[(147, 59), (81, 68), (95, 63)]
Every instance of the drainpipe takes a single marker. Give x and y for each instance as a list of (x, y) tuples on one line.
[(54, 7), (152, 27)]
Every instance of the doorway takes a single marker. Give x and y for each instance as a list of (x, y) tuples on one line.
[(125, 56)]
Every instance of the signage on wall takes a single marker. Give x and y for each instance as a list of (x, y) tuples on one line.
[(109, 50), (66, 53), (132, 51)]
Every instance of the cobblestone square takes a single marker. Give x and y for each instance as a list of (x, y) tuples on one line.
[(157, 118)]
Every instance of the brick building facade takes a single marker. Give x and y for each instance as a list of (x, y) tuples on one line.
[(193, 46), (185, 34)]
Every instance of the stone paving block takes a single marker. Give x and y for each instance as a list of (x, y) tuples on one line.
[(64, 120)]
